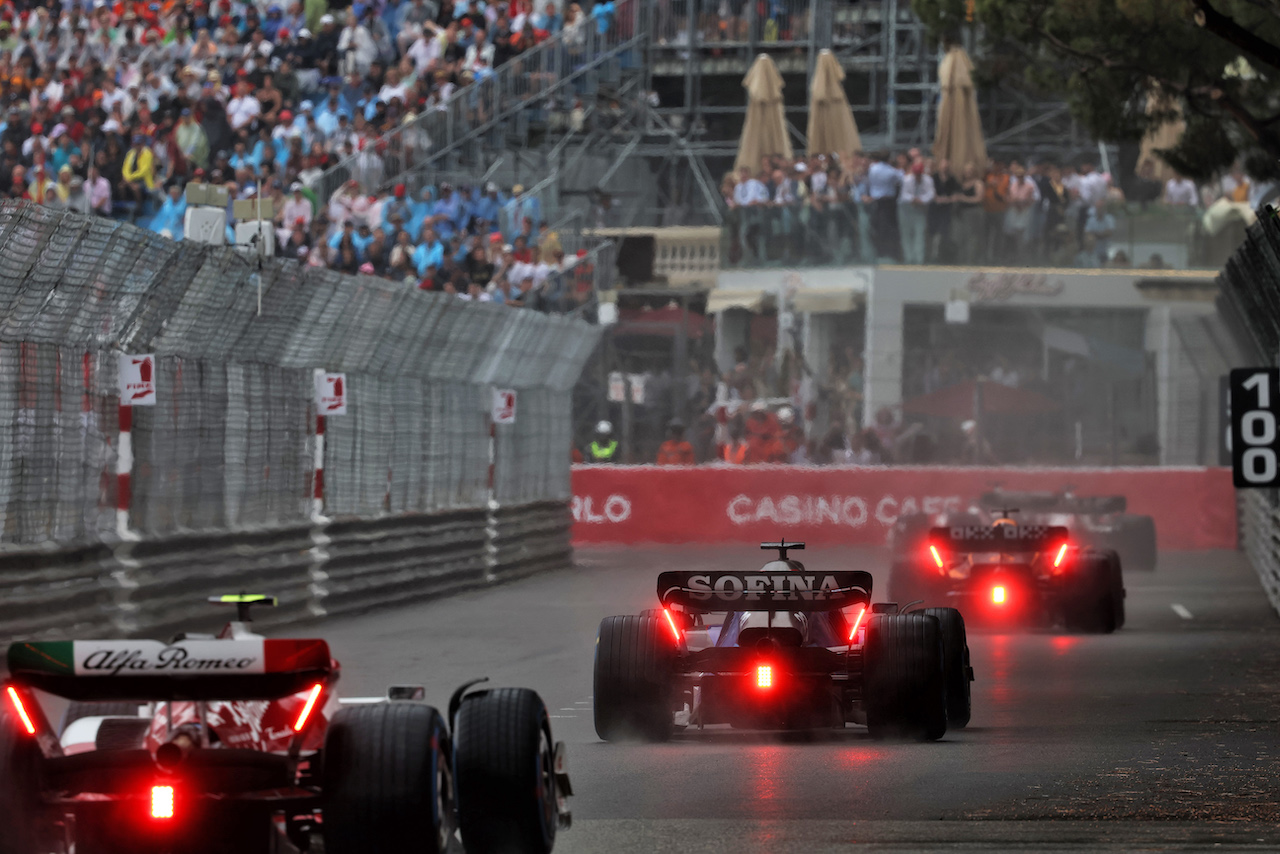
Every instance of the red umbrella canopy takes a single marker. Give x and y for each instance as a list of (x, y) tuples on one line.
[(959, 401)]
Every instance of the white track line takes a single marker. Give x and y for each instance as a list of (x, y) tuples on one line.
[(1181, 611)]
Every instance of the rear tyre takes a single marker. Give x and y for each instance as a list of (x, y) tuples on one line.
[(20, 786), (1091, 605), (905, 688), (1115, 583), (633, 670), (387, 780), (505, 764), (1136, 543), (956, 669)]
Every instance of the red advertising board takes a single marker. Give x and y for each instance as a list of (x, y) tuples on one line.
[(1194, 508)]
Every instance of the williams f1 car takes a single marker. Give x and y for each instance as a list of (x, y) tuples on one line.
[(1011, 574), (240, 743), (780, 648)]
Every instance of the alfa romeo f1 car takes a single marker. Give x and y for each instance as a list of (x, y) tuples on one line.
[(781, 648), (1008, 573), (240, 743), (1098, 521)]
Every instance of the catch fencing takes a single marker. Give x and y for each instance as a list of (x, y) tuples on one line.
[(224, 491), (1249, 302)]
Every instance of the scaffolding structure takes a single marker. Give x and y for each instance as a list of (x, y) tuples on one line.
[(695, 103), (640, 129)]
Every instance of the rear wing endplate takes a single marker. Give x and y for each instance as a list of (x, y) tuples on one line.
[(145, 670), (761, 591), (998, 538)]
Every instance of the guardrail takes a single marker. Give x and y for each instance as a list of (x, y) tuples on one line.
[(341, 566)]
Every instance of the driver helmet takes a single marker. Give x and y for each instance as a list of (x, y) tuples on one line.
[(604, 428)]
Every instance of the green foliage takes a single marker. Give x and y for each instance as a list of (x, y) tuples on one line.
[(1123, 65)]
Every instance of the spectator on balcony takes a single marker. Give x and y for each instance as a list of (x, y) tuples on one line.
[(783, 213), (1088, 186), (1101, 227), (914, 200), (1146, 187), (1023, 196), (946, 188), (995, 205), (1235, 185), (1180, 191), (880, 193), (1054, 201)]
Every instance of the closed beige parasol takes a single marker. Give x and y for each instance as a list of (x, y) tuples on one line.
[(959, 136), (831, 126), (765, 130)]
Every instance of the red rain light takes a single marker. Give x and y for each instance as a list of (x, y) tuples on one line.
[(937, 558), (672, 623), (857, 621), (162, 802), (306, 710), (21, 710), (1062, 553), (997, 595), (764, 676)]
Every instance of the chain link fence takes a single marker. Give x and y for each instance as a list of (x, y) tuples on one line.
[(1249, 306), (230, 443)]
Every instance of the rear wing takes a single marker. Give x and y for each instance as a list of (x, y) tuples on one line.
[(1053, 502), (998, 538), (145, 670), (760, 591)]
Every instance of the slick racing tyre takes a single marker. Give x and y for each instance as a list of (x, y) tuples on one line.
[(957, 671), (387, 780), (1136, 543), (1091, 602), (20, 786), (505, 767), (633, 670), (1115, 583), (905, 688)]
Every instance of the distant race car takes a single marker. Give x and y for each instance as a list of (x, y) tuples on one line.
[(1011, 574), (789, 648), (1097, 521), (240, 743)]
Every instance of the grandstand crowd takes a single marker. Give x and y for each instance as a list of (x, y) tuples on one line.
[(111, 108), (910, 208)]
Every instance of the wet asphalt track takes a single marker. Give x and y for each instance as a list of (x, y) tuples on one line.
[(1164, 736)]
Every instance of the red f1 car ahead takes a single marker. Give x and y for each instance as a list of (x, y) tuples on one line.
[(240, 743), (792, 649)]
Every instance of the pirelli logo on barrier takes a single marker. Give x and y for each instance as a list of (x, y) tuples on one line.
[(792, 591)]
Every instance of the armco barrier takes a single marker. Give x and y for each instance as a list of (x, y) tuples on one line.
[(157, 587), (532, 538), (1194, 508)]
